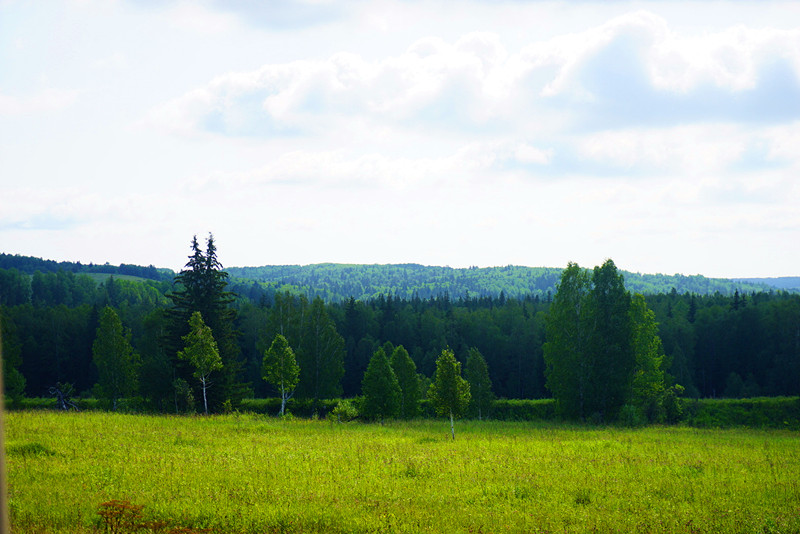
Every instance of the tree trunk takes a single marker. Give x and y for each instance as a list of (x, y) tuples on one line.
[(205, 401), (452, 427), (283, 400)]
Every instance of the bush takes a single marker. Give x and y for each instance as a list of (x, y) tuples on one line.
[(631, 416), (298, 407), (763, 412), (344, 411)]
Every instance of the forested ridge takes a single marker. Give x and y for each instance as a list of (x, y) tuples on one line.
[(734, 344), (336, 282)]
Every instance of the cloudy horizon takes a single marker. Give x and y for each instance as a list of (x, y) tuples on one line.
[(663, 135)]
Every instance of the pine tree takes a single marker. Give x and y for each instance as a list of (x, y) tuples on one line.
[(406, 372), (380, 388), (449, 393)]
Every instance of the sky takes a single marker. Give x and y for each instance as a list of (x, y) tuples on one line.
[(663, 135)]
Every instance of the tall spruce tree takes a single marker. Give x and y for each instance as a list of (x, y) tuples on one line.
[(202, 287)]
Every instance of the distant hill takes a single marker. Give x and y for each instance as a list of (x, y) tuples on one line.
[(335, 282), (29, 265), (788, 283)]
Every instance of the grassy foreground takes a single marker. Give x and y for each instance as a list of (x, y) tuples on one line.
[(251, 474)]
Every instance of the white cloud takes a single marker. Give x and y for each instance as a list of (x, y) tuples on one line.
[(631, 70)]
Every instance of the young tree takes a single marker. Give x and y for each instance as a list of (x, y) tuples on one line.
[(648, 383), (202, 353), (449, 393), (380, 388), (117, 363), (280, 369), (406, 372), (476, 372)]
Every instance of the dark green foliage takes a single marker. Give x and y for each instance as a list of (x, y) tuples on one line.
[(11, 353), (774, 412), (568, 368), (201, 287), (339, 282), (406, 372), (476, 374), (591, 349), (117, 363), (320, 354), (382, 394)]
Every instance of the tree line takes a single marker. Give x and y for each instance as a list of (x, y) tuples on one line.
[(714, 345)]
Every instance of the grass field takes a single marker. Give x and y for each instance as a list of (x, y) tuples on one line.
[(251, 474)]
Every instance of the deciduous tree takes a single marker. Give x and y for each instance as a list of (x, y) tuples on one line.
[(280, 369), (202, 353), (406, 372), (449, 393), (476, 372)]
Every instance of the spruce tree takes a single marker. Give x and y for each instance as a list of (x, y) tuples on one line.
[(202, 287), (380, 388)]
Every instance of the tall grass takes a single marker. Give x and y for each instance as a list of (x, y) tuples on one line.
[(252, 474)]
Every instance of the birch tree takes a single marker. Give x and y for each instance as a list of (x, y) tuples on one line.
[(202, 353), (280, 369), (449, 393)]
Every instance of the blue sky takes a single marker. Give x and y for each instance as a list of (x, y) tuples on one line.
[(664, 135)]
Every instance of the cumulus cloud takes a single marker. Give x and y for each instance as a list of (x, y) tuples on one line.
[(633, 70)]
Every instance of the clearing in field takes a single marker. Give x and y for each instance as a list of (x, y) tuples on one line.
[(252, 474)]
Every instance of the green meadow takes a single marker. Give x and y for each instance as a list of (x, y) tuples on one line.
[(252, 474)]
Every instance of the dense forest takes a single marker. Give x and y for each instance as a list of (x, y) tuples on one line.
[(715, 344), (338, 282)]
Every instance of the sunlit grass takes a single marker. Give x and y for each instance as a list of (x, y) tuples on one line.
[(251, 474)]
